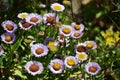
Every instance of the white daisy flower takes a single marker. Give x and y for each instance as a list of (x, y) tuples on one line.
[(57, 7), (50, 18), (80, 48), (8, 38), (25, 25), (34, 67), (56, 66), (76, 34), (39, 50), (90, 44), (71, 62), (81, 56), (66, 30), (78, 27), (9, 26), (1, 50), (92, 68), (33, 18), (22, 15)]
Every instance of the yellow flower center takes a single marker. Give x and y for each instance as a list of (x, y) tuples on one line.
[(39, 51), (24, 15), (76, 34), (34, 68), (92, 69), (56, 66), (66, 30), (90, 45), (51, 43), (57, 7), (81, 56), (9, 27), (71, 62), (8, 38), (77, 27)]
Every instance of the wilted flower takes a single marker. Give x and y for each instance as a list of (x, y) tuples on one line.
[(92, 68), (39, 50), (1, 50), (90, 44), (22, 15), (81, 56), (57, 7), (71, 62), (33, 18), (65, 30), (8, 38), (50, 18), (34, 67), (77, 27), (56, 66), (9, 26), (25, 25), (80, 48)]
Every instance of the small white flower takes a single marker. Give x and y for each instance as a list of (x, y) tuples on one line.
[(80, 48), (22, 15), (33, 18), (56, 66), (78, 27), (92, 68), (1, 50), (77, 34), (34, 67), (57, 7), (81, 56), (71, 62), (90, 44), (66, 30), (9, 26), (39, 50)]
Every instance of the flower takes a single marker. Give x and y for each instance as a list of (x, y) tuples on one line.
[(57, 7), (92, 68), (56, 66), (22, 15), (8, 38), (4, 6), (66, 30), (39, 50), (25, 25), (80, 48), (9, 26), (81, 56), (1, 50), (71, 62), (77, 27), (33, 18), (50, 18), (90, 44), (76, 34), (34, 67)]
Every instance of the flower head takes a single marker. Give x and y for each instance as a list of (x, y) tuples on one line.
[(92, 68), (56, 66), (33, 18), (81, 56), (34, 67), (22, 15), (71, 62), (50, 18), (8, 38), (39, 50), (9, 26), (90, 44), (25, 25), (57, 7), (1, 50), (77, 34), (66, 30), (78, 27), (80, 48)]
